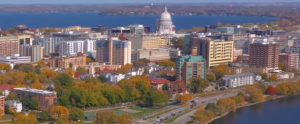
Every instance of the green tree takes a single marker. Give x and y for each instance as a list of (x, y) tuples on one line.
[(76, 114), (197, 84), (64, 100), (165, 87), (27, 68), (33, 104), (102, 78), (60, 121), (25, 100), (92, 80), (44, 115), (64, 80), (156, 98), (167, 63)]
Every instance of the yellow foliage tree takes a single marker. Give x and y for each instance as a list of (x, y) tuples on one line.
[(41, 64), (37, 85), (227, 103), (125, 68), (185, 97), (59, 112), (125, 119), (26, 119), (202, 116), (256, 94), (70, 72), (49, 73), (105, 117), (274, 77)]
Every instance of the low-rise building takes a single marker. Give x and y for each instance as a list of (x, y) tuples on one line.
[(232, 81), (158, 83), (14, 59), (46, 99), (65, 62), (15, 104), (114, 78)]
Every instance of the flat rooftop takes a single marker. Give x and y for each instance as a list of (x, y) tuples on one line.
[(34, 91)]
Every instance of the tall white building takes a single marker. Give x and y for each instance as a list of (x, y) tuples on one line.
[(70, 47), (164, 24), (89, 46)]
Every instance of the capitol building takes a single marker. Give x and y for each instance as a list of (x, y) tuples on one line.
[(164, 24)]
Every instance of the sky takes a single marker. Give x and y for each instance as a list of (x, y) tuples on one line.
[(128, 1)]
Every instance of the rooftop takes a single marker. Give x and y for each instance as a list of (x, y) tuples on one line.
[(239, 75), (158, 81), (6, 87), (34, 90)]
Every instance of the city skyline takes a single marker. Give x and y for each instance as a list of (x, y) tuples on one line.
[(132, 1)]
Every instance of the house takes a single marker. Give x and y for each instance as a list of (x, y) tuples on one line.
[(15, 104), (6, 89), (158, 83), (114, 78)]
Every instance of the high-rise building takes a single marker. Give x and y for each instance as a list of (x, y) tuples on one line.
[(114, 52), (70, 48), (165, 24), (290, 60), (35, 51), (9, 45), (89, 46), (190, 66), (215, 51), (264, 54)]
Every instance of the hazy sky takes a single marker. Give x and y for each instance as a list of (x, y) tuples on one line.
[(130, 1)]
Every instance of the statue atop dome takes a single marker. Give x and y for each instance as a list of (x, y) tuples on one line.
[(164, 24)]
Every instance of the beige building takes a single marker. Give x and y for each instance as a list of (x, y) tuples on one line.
[(36, 52), (114, 52), (147, 42), (23, 39), (215, 51), (9, 45), (75, 28), (93, 66), (64, 62), (247, 69)]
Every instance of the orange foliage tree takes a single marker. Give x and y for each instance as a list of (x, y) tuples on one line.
[(59, 112), (228, 104), (256, 94), (185, 97)]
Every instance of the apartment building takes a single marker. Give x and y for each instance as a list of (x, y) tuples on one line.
[(115, 52), (215, 51), (35, 51), (190, 66), (237, 80), (46, 99), (147, 42), (264, 54), (290, 60), (50, 44), (9, 45), (65, 62)]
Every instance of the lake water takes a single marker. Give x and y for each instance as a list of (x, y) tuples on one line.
[(38, 20), (279, 111)]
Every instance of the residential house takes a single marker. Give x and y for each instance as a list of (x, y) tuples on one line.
[(158, 83), (15, 104)]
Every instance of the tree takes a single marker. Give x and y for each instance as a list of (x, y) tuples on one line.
[(177, 86), (76, 114), (263, 76), (59, 112), (65, 80), (167, 63), (165, 87), (125, 68), (60, 121), (125, 119), (80, 69), (49, 73), (26, 119), (156, 98), (202, 116), (283, 66), (256, 94), (185, 97), (227, 103), (222, 70), (239, 100), (211, 77), (44, 115), (33, 104), (102, 78), (41, 64), (105, 117), (274, 77), (25, 100), (4, 66), (27, 68), (197, 84), (70, 72), (271, 90)]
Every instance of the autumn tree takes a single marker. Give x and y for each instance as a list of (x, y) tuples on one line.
[(202, 116), (125, 119), (105, 117), (37, 85), (214, 108), (211, 77), (41, 64), (70, 72), (49, 73), (125, 68), (227, 103), (26, 119), (271, 90), (197, 85), (64, 80), (274, 77), (282, 88), (167, 63), (76, 114), (185, 97), (4, 66), (239, 100), (177, 86), (59, 112), (256, 95), (165, 87), (222, 70)]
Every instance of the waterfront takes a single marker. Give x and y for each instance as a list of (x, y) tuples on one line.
[(278, 111), (39, 20)]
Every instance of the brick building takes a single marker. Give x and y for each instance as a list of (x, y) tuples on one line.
[(264, 54), (290, 60), (46, 99), (2, 104), (64, 62), (9, 45)]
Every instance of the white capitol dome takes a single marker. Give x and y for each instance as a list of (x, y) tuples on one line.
[(165, 15)]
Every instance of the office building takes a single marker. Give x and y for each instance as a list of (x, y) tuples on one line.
[(165, 25), (9, 45), (215, 51), (35, 51), (264, 54), (290, 60), (46, 99), (114, 52), (147, 41), (65, 62), (190, 66)]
